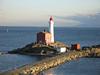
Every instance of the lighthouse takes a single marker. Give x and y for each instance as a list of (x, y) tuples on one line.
[(45, 37), (51, 28)]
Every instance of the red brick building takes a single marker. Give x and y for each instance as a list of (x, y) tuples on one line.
[(44, 37), (75, 46)]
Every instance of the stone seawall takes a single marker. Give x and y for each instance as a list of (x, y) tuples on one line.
[(34, 69)]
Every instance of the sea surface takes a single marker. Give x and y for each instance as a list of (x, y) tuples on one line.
[(17, 37)]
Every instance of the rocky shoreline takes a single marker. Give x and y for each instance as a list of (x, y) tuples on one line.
[(47, 50), (35, 69), (50, 62), (38, 49), (95, 51)]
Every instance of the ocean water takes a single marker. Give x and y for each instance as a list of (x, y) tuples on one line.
[(16, 37)]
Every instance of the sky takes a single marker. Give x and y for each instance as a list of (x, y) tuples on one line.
[(66, 13)]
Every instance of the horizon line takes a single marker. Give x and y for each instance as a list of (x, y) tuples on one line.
[(58, 26)]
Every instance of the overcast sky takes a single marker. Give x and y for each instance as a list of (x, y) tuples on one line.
[(70, 13)]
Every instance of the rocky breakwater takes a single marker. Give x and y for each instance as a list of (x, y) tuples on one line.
[(35, 69), (95, 51)]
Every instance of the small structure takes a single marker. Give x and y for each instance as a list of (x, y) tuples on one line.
[(61, 49), (75, 46), (44, 37)]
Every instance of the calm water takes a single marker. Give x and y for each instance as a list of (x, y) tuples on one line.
[(15, 37), (7, 62)]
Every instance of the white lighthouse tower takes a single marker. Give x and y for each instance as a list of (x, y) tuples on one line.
[(51, 28)]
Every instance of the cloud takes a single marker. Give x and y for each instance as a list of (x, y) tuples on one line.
[(66, 23), (92, 20)]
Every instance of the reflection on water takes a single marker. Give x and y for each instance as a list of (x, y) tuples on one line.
[(48, 72)]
